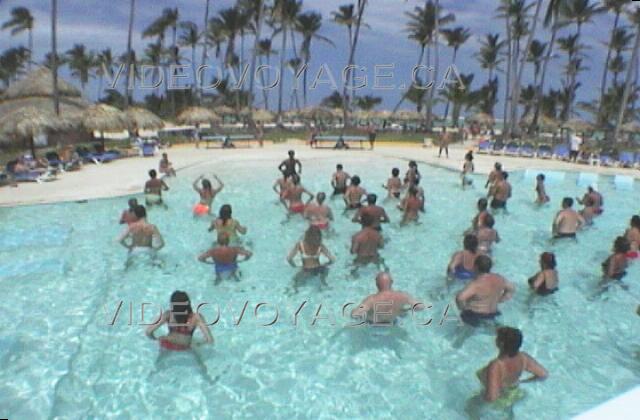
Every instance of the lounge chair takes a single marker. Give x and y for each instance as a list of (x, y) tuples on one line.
[(561, 152), (544, 152), (512, 149), (148, 149), (636, 163), (606, 160), (497, 148), (484, 147), (626, 159), (527, 150)]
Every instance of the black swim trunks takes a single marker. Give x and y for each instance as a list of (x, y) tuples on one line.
[(339, 190), (474, 318), (396, 194), (565, 235), (498, 204)]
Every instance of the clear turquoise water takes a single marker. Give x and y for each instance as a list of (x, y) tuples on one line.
[(63, 276)]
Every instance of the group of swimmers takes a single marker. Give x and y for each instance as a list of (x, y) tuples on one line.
[(478, 301)]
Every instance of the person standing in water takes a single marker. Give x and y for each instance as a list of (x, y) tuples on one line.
[(225, 258), (294, 196), (311, 249), (500, 191), (615, 267), (387, 305), (487, 235), (153, 189), (394, 185), (365, 245), (339, 181), (291, 166), (319, 214), (479, 219), (411, 207), (444, 142), (377, 213), (165, 167), (596, 198), (493, 176), (545, 282), (501, 376), (227, 225), (182, 323), (412, 177), (141, 237), (207, 193), (541, 191), (467, 169), (462, 264), (633, 236), (567, 221), (129, 215), (354, 193)]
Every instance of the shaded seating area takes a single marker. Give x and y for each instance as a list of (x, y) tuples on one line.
[(340, 142), (228, 141)]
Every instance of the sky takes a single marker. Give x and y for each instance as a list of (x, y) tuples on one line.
[(100, 24)]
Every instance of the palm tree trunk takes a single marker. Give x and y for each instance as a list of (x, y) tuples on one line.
[(453, 63), (540, 90), (573, 79), (307, 59), (204, 48), (280, 84), (532, 35), (605, 73), (362, 4), (627, 86), (195, 71), (404, 95), (266, 91), (436, 63), (129, 52), (254, 55), (513, 111), (54, 55), (30, 49), (507, 86)]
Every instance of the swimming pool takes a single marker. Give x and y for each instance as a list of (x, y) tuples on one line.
[(63, 277)]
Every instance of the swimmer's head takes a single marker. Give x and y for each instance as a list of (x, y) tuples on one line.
[(164, 156), (313, 236), (225, 212), (548, 261), (366, 220), (471, 243), (223, 239), (371, 199), (505, 175), (321, 197), (540, 177), (589, 202), (413, 164), (498, 166), (483, 204), (635, 222), (384, 281), (413, 191), (133, 203), (567, 202), (206, 184), (483, 264), (469, 156), (180, 307), (489, 221), (621, 245), (395, 172), (153, 173), (509, 341), (140, 212), (291, 153), (355, 180), (590, 188), (339, 166)]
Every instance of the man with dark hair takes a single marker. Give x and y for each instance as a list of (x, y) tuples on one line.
[(366, 243), (339, 180), (141, 235), (500, 191), (153, 189), (291, 166), (377, 213), (225, 258), (128, 216), (479, 300), (567, 221), (411, 206), (497, 169)]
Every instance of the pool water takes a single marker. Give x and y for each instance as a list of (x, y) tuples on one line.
[(64, 278)]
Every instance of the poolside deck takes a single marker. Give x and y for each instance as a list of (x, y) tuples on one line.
[(127, 176)]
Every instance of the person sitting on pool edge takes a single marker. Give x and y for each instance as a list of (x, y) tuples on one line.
[(384, 307), (142, 236), (225, 258), (377, 213), (182, 323), (411, 206), (567, 221), (462, 264), (294, 196), (207, 193), (319, 214), (165, 167), (129, 216), (614, 268), (291, 166), (153, 189), (500, 191), (339, 181), (311, 249), (541, 192), (394, 185), (366, 244), (545, 281), (225, 224), (487, 235), (354, 193), (501, 376), (479, 299)]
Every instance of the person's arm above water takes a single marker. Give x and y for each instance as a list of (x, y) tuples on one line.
[(453, 263), (282, 166), (241, 229), (123, 239), (195, 185), (493, 385), (220, 184), (299, 165), (292, 254), (556, 223), (363, 309), (465, 295), (245, 253), (509, 290), (157, 237), (384, 217), (532, 366), (324, 251), (165, 187), (581, 221), (212, 226), (204, 328), (204, 257), (152, 328), (356, 216)]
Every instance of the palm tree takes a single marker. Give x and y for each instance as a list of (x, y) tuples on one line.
[(455, 37), (367, 102), (255, 11), (459, 96), (570, 45), (284, 13), (154, 55), (104, 67), (362, 4), (81, 63), (620, 40), (265, 49), (54, 55), (190, 37), (129, 53), (21, 20), (12, 63), (309, 24), (617, 7), (335, 100), (634, 18), (345, 17), (215, 36), (536, 56), (490, 53), (230, 21)]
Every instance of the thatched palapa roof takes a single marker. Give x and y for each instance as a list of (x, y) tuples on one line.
[(143, 119), (198, 115), (102, 118)]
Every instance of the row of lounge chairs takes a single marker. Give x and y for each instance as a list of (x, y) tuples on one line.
[(559, 152)]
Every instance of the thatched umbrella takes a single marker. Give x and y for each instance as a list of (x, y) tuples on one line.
[(578, 125), (102, 118), (198, 115), (262, 115), (292, 115), (631, 127), (364, 115), (224, 111), (143, 119), (317, 113), (543, 121), (383, 115), (405, 115), (30, 122), (482, 119)]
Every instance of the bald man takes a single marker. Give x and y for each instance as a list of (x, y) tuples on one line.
[(384, 307)]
